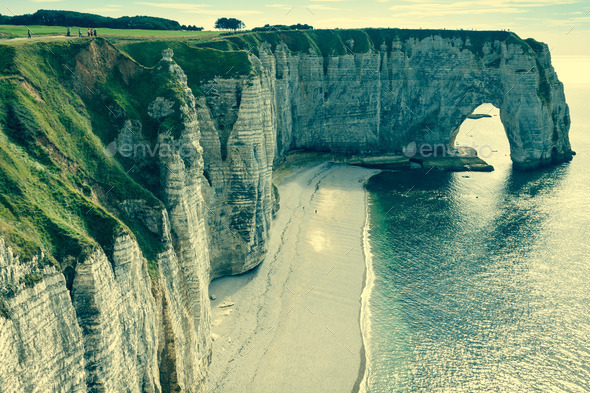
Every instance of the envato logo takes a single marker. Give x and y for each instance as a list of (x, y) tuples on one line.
[(145, 150), (427, 150)]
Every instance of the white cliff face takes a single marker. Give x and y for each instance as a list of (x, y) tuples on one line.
[(41, 344), (112, 335), (116, 312), (185, 272), (241, 195), (417, 91), (139, 335), (118, 329)]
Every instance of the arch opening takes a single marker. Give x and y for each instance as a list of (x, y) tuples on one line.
[(483, 135)]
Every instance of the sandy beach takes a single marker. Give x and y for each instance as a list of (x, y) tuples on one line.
[(294, 322)]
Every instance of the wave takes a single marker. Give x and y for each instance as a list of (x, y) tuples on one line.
[(365, 319)]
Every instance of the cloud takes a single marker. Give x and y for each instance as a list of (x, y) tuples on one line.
[(497, 2), (479, 7), (280, 6), (321, 7), (461, 8), (224, 12), (199, 9), (175, 6), (538, 3), (101, 10)]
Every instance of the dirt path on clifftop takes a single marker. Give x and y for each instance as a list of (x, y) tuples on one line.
[(35, 38), (295, 323)]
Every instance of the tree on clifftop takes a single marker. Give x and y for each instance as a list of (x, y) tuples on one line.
[(229, 24)]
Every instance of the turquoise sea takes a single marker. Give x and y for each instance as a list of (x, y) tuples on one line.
[(480, 282)]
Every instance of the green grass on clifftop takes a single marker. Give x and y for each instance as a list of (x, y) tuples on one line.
[(338, 42), (199, 63), (21, 31)]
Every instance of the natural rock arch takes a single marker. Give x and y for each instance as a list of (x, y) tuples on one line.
[(536, 123), (419, 90)]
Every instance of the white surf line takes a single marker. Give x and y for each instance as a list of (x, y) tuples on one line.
[(365, 320)]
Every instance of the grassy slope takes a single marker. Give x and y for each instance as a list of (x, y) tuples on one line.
[(59, 192), (199, 63)]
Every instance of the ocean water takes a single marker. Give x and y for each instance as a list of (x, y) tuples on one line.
[(480, 282)]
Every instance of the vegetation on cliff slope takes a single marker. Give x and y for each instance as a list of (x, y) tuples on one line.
[(199, 63), (339, 42), (61, 104)]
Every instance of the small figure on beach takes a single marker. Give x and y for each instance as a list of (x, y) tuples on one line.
[(29, 32)]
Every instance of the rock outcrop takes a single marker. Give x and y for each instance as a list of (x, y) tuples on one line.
[(132, 313), (41, 343), (185, 273), (117, 314), (240, 172)]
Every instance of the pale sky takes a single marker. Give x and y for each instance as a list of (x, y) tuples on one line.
[(563, 24)]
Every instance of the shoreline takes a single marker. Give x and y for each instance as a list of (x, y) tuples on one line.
[(296, 321), (365, 312)]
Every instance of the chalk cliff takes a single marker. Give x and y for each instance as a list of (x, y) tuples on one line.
[(108, 323), (378, 91), (128, 181)]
